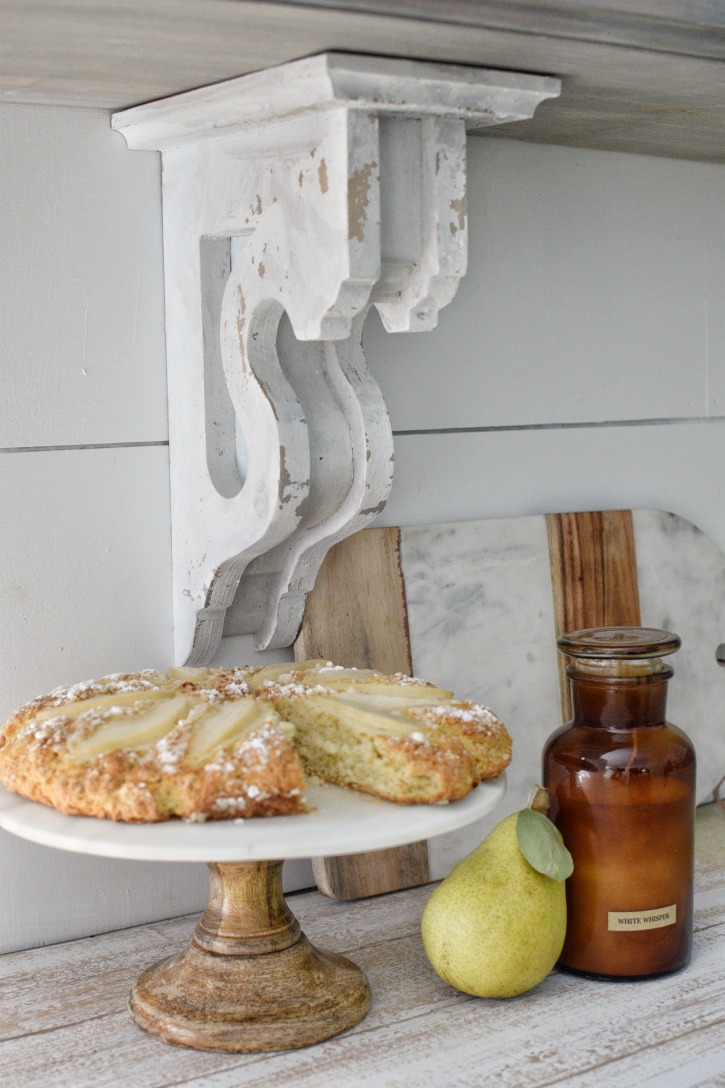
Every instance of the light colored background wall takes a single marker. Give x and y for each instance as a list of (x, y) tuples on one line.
[(581, 365)]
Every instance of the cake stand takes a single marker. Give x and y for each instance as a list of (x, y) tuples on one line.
[(250, 980)]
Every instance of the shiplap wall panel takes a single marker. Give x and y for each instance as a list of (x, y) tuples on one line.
[(594, 292), (49, 895), (85, 555), (678, 467), (86, 561), (715, 249), (81, 290), (86, 558)]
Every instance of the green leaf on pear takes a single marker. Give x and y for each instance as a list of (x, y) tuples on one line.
[(541, 845)]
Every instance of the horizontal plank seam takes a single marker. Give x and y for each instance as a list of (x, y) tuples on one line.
[(407, 432), (64, 1026), (702, 928), (83, 446), (157, 926), (573, 426), (351, 949)]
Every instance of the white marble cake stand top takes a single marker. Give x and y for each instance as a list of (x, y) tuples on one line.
[(343, 822)]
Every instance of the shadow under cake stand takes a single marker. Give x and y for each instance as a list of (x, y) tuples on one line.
[(250, 980)]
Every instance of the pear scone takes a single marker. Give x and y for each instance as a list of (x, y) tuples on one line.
[(147, 746), (396, 737), (213, 744)]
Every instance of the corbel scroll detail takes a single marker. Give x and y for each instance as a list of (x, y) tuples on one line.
[(293, 200)]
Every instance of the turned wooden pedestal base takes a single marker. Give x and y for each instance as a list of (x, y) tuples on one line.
[(250, 980)]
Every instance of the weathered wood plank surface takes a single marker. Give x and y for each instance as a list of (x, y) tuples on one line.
[(641, 77), (63, 1011)]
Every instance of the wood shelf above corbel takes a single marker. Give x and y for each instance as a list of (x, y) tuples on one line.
[(293, 200)]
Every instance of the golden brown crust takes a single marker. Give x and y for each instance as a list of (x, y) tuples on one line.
[(396, 737), (475, 727)]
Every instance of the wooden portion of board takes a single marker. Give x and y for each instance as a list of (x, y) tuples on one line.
[(359, 584), (593, 575), (356, 616)]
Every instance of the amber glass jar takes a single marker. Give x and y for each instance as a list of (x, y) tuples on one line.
[(622, 781)]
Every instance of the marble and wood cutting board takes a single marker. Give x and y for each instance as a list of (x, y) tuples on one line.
[(476, 607)]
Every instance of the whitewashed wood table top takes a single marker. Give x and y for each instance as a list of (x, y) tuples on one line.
[(64, 1021)]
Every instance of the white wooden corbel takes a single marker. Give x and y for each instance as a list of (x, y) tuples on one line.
[(293, 200)]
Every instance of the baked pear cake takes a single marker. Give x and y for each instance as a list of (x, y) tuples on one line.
[(211, 744)]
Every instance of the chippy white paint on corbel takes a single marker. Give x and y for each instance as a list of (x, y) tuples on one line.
[(293, 199)]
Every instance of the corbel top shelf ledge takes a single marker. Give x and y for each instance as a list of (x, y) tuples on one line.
[(479, 96)]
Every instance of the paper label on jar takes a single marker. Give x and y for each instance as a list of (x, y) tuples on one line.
[(635, 920)]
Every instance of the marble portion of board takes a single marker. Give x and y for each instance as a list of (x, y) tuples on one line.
[(481, 619)]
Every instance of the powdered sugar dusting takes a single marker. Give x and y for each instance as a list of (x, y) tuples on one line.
[(170, 750), (475, 715), (282, 689), (107, 685)]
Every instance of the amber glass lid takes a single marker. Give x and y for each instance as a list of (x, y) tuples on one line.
[(619, 642)]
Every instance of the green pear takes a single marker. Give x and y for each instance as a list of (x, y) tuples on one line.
[(495, 926)]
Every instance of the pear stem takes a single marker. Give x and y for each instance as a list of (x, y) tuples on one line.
[(540, 800)]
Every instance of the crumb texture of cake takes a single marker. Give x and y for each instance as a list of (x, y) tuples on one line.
[(213, 744), (397, 737)]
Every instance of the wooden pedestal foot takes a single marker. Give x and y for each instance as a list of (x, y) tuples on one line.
[(250, 980)]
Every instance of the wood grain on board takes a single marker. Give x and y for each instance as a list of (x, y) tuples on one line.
[(356, 616), (593, 575)]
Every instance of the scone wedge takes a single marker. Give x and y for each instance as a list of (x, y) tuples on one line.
[(396, 737)]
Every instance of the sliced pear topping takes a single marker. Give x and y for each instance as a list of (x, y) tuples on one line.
[(386, 704), (130, 730), (189, 672), (221, 726), (101, 702), (357, 682), (277, 670), (357, 715), (365, 681), (369, 681), (334, 673)]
